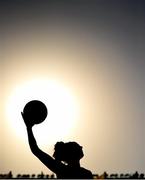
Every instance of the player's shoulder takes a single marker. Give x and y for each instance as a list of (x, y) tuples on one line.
[(88, 174)]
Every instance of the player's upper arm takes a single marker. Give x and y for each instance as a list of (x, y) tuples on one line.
[(49, 162)]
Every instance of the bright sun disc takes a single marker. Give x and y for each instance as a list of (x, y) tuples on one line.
[(62, 110)]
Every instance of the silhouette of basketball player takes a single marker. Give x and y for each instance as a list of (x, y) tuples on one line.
[(65, 162)]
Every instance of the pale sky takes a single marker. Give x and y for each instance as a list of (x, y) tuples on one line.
[(95, 49)]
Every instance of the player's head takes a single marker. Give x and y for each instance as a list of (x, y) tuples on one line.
[(68, 151)]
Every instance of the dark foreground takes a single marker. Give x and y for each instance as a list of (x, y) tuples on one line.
[(105, 175)]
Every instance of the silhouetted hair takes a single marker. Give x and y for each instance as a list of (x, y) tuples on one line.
[(67, 151)]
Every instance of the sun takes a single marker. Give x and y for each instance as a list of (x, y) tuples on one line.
[(61, 104)]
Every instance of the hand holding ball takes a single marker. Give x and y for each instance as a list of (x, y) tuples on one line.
[(34, 112)]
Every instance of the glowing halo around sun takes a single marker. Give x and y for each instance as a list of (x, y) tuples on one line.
[(61, 105)]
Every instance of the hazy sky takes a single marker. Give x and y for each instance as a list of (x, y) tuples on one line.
[(95, 48)]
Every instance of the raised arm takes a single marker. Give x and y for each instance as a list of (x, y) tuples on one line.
[(46, 159)]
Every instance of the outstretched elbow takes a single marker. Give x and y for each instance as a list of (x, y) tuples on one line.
[(35, 149)]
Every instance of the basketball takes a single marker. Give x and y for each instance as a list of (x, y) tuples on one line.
[(35, 111)]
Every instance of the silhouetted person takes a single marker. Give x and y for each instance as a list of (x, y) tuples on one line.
[(66, 161)]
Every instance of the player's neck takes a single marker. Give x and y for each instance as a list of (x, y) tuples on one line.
[(74, 164)]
